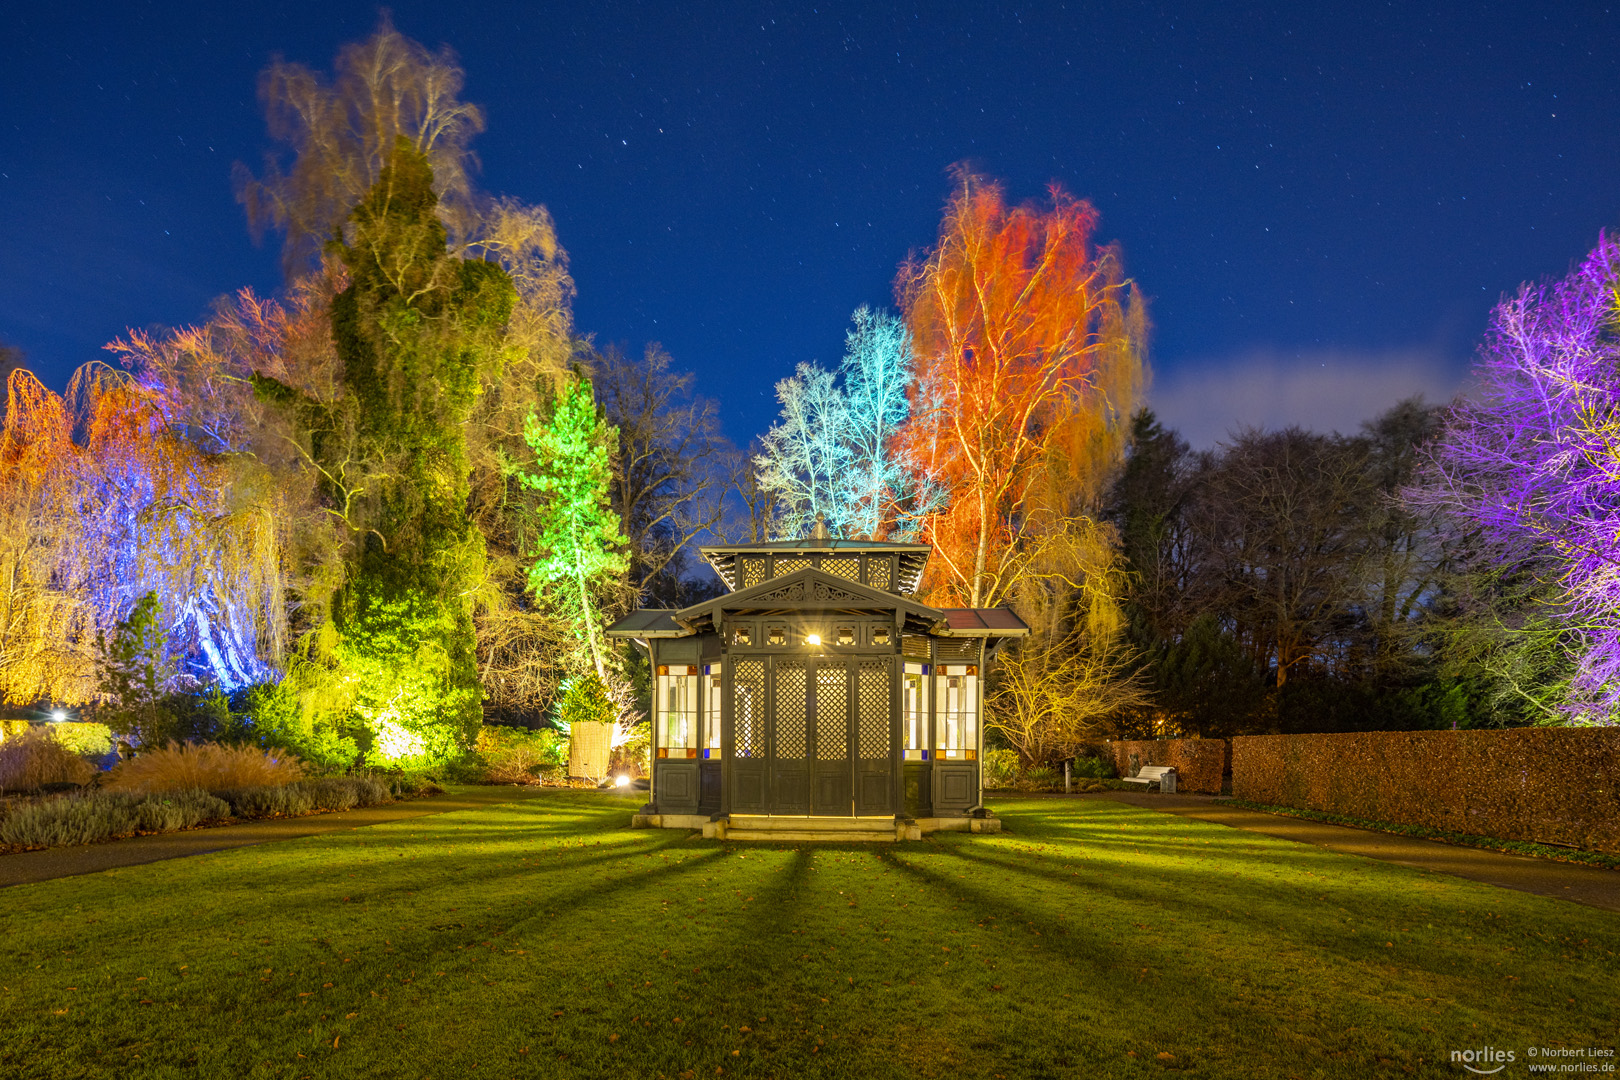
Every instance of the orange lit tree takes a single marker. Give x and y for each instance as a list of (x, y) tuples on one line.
[(1028, 345)]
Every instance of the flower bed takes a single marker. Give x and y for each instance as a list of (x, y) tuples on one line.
[(94, 816)]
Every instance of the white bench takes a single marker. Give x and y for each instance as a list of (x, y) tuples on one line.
[(1163, 775)]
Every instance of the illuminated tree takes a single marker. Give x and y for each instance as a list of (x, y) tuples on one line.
[(1531, 461), (106, 498), (803, 455), (578, 548), (415, 329), (343, 135), (337, 135), (834, 454), (1028, 344)]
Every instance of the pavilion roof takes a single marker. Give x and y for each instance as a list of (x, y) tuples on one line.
[(912, 557)]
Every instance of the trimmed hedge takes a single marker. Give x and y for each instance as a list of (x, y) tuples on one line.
[(1200, 764), (1557, 786)]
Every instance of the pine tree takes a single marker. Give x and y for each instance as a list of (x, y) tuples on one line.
[(578, 547)]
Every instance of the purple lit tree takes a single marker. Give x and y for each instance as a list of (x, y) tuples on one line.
[(1532, 461)]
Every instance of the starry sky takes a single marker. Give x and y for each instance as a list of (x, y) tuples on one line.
[(1321, 201)]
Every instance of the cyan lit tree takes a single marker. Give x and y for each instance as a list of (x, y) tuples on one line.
[(834, 453)]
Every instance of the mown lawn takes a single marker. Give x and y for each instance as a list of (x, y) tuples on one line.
[(544, 939)]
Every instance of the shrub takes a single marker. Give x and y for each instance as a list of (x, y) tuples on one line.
[(36, 759), (86, 740), (87, 818), (275, 716), (179, 766), (519, 756), (332, 793), (1094, 768), (583, 699), (1039, 779), (1000, 767)]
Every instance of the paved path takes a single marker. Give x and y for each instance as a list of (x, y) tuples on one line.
[(1591, 885), (26, 867)]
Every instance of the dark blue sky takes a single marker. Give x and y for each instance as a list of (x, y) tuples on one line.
[(1322, 202)]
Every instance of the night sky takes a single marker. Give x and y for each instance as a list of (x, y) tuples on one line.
[(1322, 205)]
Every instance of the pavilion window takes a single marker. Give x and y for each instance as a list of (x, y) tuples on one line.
[(675, 700), (776, 635), (956, 696), (914, 711), (845, 635), (711, 697)]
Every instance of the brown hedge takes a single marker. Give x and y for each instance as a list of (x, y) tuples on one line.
[(1545, 785), (1199, 763)]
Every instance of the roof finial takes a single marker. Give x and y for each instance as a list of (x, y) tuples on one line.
[(819, 530)]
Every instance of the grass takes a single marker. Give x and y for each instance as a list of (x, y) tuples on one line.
[(1444, 836), (544, 939)]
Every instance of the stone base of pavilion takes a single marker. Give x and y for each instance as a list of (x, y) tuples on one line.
[(843, 830)]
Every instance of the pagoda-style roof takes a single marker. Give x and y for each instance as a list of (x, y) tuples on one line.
[(727, 559), (812, 590)]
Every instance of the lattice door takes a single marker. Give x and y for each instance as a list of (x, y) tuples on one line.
[(792, 721), (832, 770), (748, 708), (790, 741), (874, 737), (872, 697), (832, 713)]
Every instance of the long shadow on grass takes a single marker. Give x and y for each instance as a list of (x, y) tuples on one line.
[(1188, 898), (1145, 991)]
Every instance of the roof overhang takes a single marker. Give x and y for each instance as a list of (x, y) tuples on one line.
[(811, 591), (997, 622), (648, 623)]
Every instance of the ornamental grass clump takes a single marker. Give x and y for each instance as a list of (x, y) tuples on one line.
[(36, 760), (87, 818), (307, 796), (205, 766), (290, 800)]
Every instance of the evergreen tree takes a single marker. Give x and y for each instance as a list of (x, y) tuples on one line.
[(132, 675), (416, 329), (578, 546)]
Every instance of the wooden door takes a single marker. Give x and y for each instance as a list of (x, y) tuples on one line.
[(832, 768)]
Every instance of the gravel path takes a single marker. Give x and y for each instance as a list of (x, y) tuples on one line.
[(1592, 885), (26, 867)]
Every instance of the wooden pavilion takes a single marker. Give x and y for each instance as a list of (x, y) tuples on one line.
[(818, 696)]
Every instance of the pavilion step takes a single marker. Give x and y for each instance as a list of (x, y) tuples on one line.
[(836, 836), (806, 823)]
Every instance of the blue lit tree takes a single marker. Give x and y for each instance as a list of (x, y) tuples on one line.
[(833, 451)]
